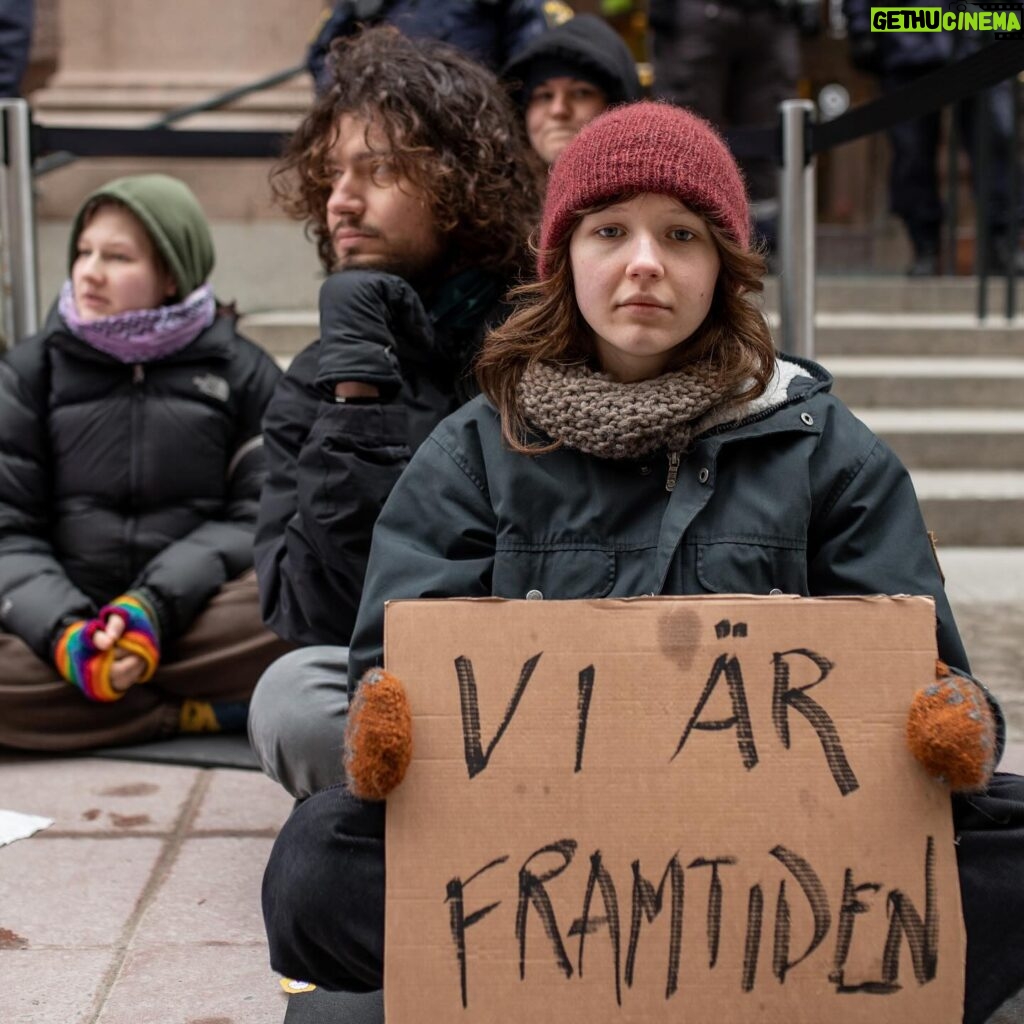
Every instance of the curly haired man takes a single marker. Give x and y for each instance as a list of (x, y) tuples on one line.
[(414, 176)]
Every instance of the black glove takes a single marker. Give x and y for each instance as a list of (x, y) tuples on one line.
[(366, 318), (866, 54)]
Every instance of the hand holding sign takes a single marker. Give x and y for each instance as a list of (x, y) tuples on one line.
[(952, 732), (378, 736)]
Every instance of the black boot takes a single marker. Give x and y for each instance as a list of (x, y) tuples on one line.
[(925, 263), (1001, 254), (924, 238)]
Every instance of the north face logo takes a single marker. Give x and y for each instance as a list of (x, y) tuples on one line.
[(213, 386)]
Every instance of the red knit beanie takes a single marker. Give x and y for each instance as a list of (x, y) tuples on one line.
[(645, 147)]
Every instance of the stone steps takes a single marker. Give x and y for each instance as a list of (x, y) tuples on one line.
[(921, 382), (283, 332), (945, 438), (917, 334), (972, 507), (896, 294)]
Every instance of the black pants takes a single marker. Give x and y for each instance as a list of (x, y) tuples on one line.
[(733, 64), (323, 893), (913, 176)]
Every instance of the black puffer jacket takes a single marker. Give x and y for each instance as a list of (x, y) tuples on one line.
[(115, 477)]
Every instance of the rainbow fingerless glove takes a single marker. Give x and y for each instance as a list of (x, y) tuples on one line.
[(952, 731), (140, 634), (80, 662)]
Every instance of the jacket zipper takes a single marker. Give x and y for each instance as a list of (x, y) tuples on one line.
[(138, 379), (673, 471)]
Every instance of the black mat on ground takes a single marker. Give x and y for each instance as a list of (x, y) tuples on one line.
[(320, 1007), (198, 751)]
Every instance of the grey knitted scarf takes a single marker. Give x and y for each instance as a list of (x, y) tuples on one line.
[(591, 412)]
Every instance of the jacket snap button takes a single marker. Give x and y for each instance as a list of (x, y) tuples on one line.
[(807, 418), (645, 470), (534, 595), (704, 475)]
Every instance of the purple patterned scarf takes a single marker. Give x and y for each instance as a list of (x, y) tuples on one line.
[(142, 335)]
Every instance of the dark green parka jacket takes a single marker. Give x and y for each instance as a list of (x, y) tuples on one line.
[(797, 496)]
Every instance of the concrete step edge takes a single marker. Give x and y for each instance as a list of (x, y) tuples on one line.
[(959, 484), (890, 321), (943, 421), (926, 367)]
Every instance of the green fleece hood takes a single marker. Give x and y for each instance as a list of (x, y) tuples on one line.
[(172, 217)]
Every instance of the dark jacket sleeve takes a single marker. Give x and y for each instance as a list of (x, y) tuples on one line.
[(870, 537), (15, 38), (435, 538), (185, 575), (36, 595), (331, 467)]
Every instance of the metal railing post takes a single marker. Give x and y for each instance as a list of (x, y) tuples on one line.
[(981, 157), (1013, 201), (20, 275), (796, 229)]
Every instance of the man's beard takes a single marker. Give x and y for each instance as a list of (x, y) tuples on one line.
[(420, 273)]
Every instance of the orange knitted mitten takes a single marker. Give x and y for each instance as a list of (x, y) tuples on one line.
[(378, 736), (952, 732)]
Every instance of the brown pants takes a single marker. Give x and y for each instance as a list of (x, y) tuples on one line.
[(218, 659)]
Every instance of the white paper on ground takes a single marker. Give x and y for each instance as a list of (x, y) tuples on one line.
[(15, 825)]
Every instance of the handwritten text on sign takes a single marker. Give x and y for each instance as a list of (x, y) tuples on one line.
[(668, 809)]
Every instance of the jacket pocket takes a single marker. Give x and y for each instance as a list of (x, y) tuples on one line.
[(728, 567), (558, 574)]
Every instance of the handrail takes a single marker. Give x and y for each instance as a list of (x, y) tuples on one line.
[(53, 161), (19, 273)]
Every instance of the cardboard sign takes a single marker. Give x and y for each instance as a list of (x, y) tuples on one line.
[(668, 809)]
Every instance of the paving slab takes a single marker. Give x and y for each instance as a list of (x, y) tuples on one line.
[(88, 795), (194, 984), (51, 986), (986, 591), (242, 801), (211, 895), (75, 892)]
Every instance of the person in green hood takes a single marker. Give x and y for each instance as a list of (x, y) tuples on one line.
[(130, 470)]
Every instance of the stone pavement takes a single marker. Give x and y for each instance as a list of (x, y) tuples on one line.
[(140, 904), (985, 587)]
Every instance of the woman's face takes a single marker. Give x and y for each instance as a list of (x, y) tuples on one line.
[(116, 269), (557, 110), (644, 273)]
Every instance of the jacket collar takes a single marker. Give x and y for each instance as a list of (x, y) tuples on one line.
[(794, 381)]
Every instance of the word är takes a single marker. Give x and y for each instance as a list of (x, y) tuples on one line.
[(726, 669)]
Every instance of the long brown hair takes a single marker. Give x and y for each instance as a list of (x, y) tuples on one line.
[(451, 130), (546, 326)]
